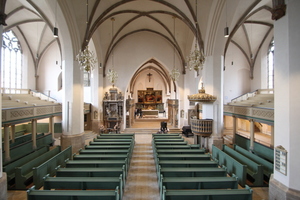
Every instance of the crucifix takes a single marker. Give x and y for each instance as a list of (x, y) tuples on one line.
[(149, 76)]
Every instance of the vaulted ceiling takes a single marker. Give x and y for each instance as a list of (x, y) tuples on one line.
[(249, 21)]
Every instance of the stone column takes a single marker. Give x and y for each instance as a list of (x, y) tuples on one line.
[(287, 107), (33, 129), (51, 126), (233, 129), (252, 136), (6, 143), (12, 132), (272, 135)]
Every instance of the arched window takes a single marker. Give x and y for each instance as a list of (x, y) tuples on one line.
[(11, 69), (271, 66)]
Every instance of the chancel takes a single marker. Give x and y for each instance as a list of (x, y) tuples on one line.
[(141, 99)]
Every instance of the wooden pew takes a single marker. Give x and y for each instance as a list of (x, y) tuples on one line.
[(108, 146), (97, 163), (189, 183), (92, 172), (26, 148), (113, 140), (33, 194), (211, 194), (167, 137), (164, 135), (25, 172), (168, 140), (253, 169), (106, 151), (116, 136), (84, 183), (183, 156), (171, 143), (10, 168), (268, 166), (180, 151), (176, 147), (49, 167), (187, 163), (191, 172), (109, 143), (232, 166)]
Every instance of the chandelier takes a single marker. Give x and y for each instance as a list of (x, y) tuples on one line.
[(175, 72), (196, 59), (112, 76), (86, 58)]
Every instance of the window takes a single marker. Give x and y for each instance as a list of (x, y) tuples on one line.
[(11, 69), (270, 79)]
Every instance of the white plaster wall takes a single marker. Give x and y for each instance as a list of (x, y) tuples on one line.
[(48, 72), (236, 75), (135, 50), (287, 81)]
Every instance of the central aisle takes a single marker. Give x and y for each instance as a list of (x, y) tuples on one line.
[(141, 181)]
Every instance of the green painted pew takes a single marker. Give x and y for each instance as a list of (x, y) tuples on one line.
[(84, 183), (106, 151), (110, 143), (189, 183), (171, 143), (168, 140), (108, 146), (164, 135), (117, 135), (191, 172), (177, 146), (26, 148), (181, 151), (49, 166), (102, 157), (25, 172), (183, 156), (10, 168), (268, 166), (167, 137), (113, 136), (33, 194), (232, 166), (254, 169), (92, 172), (211, 194), (97, 163), (187, 163), (113, 140)]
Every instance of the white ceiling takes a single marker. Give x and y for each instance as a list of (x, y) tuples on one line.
[(249, 21)]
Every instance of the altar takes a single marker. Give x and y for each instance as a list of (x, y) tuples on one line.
[(150, 113)]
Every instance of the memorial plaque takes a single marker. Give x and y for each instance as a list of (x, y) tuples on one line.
[(281, 160)]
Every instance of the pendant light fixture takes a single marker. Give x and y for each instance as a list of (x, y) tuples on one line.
[(226, 29), (112, 74), (175, 72), (55, 29), (86, 58), (196, 59)]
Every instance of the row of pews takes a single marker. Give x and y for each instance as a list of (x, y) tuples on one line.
[(28, 165), (244, 164), (98, 171), (185, 171)]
